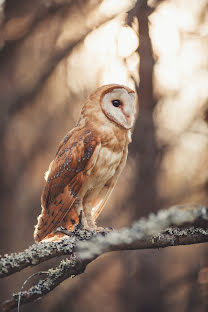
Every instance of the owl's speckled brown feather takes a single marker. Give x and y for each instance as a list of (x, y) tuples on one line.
[(67, 174), (87, 164)]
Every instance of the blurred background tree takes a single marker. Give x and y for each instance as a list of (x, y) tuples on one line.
[(53, 54)]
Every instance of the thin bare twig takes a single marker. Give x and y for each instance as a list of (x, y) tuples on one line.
[(67, 268)]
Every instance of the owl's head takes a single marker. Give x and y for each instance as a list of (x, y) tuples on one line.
[(118, 104), (113, 103)]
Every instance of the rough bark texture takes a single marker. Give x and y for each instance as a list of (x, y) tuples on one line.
[(172, 227)]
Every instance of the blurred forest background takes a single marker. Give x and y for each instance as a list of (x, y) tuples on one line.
[(53, 53)]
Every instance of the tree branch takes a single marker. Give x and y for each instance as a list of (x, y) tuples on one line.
[(41, 252), (179, 225), (66, 269)]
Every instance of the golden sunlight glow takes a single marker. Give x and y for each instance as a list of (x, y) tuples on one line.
[(185, 172), (182, 64), (180, 83), (101, 57), (127, 41), (111, 6)]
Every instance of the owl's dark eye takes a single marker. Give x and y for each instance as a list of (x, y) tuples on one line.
[(116, 103)]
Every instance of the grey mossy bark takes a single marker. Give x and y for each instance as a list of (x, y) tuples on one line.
[(179, 225), (67, 268), (41, 252)]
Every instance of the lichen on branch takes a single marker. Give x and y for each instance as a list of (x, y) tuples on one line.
[(179, 225)]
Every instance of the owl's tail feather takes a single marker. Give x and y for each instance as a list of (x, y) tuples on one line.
[(55, 216)]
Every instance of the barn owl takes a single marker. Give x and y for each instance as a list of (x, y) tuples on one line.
[(88, 162)]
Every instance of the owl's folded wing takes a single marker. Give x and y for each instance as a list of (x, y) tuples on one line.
[(67, 174)]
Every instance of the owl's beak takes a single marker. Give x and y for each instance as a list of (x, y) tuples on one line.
[(127, 116), (129, 122)]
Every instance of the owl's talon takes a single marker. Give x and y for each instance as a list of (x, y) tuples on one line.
[(104, 231), (79, 225), (80, 218), (109, 229), (59, 229), (63, 230)]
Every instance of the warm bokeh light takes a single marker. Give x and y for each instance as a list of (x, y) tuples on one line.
[(127, 41), (180, 83), (104, 47)]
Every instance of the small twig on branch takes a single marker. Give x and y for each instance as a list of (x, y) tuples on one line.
[(178, 225), (66, 269)]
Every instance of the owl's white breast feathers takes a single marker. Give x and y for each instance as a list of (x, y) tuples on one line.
[(107, 163)]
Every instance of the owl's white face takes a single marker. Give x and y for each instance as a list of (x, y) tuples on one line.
[(119, 106)]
